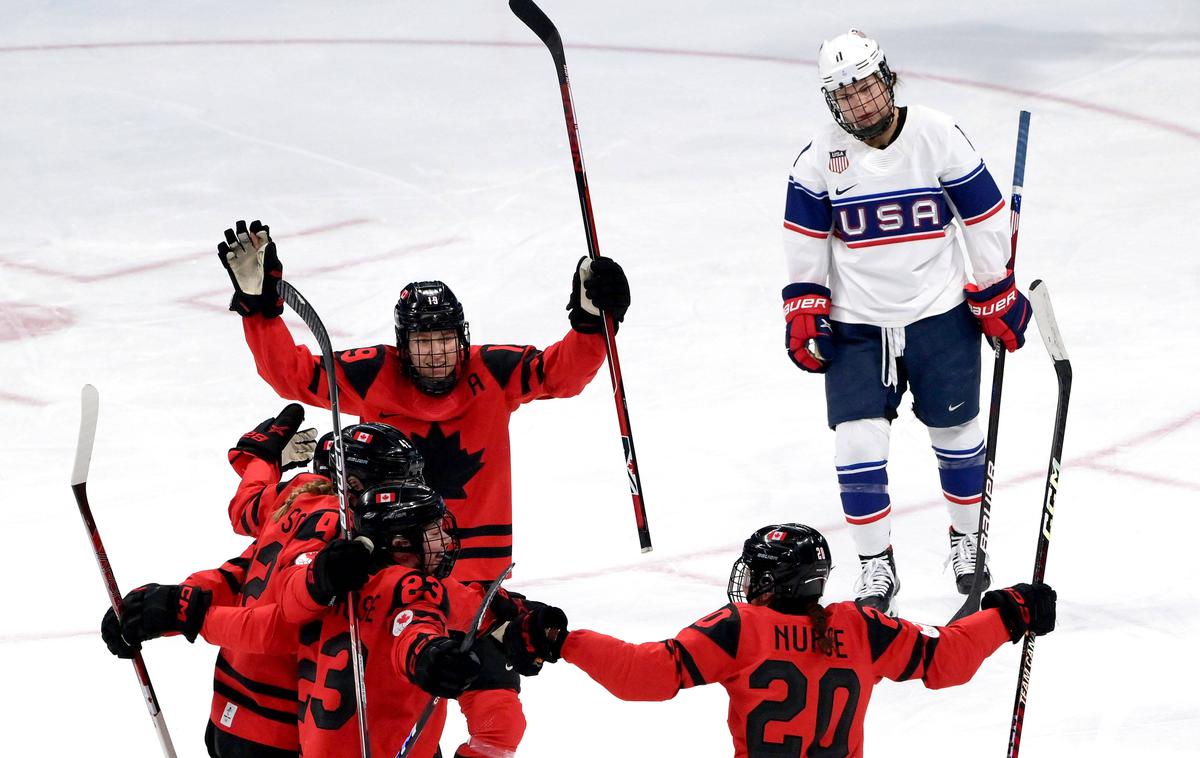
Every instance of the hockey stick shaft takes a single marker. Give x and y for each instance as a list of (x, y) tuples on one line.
[(971, 604), (79, 476), (1052, 337), (468, 641), (337, 467), (540, 24)]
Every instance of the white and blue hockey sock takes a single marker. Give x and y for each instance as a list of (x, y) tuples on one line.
[(861, 459), (960, 452)]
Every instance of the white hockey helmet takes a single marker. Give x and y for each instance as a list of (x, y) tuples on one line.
[(849, 58)]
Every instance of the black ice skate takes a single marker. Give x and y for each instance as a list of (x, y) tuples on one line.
[(963, 550), (877, 585)]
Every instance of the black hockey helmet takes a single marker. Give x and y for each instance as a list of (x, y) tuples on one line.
[(322, 455), (789, 561), (380, 454), (409, 518), (430, 306)]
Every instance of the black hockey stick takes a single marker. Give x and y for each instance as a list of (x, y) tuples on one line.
[(971, 604), (467, 643), (536, 20), (79, 477), (337, 467), (1052, 337)]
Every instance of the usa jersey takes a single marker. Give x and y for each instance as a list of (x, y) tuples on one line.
[(885, 229), (786, 697), (463, 435)]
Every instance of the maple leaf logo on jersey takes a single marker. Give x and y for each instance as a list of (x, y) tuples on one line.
[(448, 465)]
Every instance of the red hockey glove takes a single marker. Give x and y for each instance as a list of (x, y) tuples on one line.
[(277, 441), (1024, 608), (1002, 310), (806, 308), (249, 257)]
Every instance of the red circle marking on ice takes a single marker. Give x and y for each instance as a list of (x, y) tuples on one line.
[(21, 320), (1181, 130)]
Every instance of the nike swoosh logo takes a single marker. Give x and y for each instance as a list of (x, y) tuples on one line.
[(389, 415), (956, 406), (847, 189)]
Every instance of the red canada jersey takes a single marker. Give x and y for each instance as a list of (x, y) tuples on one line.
[(399, 611), (463, 434), (254, 685), (786, 697)]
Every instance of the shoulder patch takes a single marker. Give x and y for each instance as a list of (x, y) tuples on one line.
[(502, 360), (361, 366), (724, 627)]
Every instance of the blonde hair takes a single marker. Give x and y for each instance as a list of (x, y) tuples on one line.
[(315, 486)]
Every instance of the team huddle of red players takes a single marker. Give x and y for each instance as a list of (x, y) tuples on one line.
[(427, 476)]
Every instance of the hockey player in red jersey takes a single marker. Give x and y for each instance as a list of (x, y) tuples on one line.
[(253, 712), (799, 675), (453, 399)]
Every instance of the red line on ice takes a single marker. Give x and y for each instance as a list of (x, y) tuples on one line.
[(1108, 110)]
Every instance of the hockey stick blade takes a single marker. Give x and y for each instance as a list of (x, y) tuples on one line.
[(1043, 313), (488, 596), (90, 398), (541, 25)]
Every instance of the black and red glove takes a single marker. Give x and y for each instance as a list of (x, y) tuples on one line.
[(534, 637), (276, 440), (158, 609), (248, 255), (1002, 310), (341, 567), (806, 309), (443, 668), (1024, 608)]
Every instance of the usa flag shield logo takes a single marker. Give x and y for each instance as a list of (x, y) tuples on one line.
[(838, 162)]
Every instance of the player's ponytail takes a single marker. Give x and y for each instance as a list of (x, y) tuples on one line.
[(820, 622), (318, 486)]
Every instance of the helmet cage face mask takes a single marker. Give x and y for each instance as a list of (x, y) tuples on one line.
[(844, 63), (883, 101), (423, 308), (787, 561)]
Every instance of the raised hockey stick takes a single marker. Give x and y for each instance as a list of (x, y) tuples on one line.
[(971, 604), (468, 641), (79, 477), (1048, 326), (337, 467), (535, 19)]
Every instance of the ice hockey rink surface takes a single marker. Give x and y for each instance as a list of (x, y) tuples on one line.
[(390, 142)]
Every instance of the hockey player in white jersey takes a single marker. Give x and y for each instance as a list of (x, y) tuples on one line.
[(881, 206)]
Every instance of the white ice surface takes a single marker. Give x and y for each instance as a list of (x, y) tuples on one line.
[(387, 142)]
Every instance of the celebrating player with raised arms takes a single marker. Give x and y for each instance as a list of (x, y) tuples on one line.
[(881, 205), (453, 399), (799, 675)]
